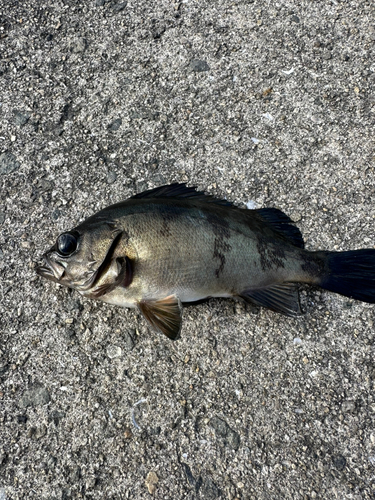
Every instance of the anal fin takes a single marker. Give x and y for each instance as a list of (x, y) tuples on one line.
[(164, 315), (282, 298)]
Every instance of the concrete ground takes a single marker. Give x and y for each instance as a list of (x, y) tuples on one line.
[(265, 103)]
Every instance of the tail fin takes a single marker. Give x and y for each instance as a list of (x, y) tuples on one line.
[(351, 274)]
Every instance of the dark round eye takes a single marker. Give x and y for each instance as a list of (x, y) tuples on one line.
[(66, 244)]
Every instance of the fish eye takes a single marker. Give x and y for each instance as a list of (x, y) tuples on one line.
[(66, 244)]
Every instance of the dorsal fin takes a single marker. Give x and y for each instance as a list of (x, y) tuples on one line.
[(181, 191), (281, 223)]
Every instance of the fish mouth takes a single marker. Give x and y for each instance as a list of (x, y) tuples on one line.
[(50, 270)]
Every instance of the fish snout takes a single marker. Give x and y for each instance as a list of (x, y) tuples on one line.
[(50, 269)]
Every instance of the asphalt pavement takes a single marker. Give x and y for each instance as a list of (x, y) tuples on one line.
[(263, 103)]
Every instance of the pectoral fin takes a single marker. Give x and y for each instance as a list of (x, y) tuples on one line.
[(164, 315)]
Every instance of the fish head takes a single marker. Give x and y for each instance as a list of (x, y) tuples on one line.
[(81, 257)]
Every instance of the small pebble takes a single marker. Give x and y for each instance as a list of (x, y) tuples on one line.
[(129, 340), (348, 406), (198, 66), (250, 205), (118, 7), (114, 351), (339, 462), (8, 163), (78, 45), (227, 436), (56, 214), (111, 177), (296, 216), (128, 433), (21, 117), (151, 482), (115, 125), (35, 396)]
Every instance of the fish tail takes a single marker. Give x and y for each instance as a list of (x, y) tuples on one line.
[(351, 274)]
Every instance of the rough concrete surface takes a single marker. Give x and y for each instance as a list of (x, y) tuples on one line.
[(265, 103)]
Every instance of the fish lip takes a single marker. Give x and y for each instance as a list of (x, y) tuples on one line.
[(44, 271), (50, 269)]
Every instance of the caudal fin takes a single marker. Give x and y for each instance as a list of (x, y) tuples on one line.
[(351, 274)]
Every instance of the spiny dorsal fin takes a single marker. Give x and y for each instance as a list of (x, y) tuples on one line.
[(181, 191), (282, 224), (282, 298), (164, 315)]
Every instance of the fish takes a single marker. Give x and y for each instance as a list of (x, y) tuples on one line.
[(175, 245)]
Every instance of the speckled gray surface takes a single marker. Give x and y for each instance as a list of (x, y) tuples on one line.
[(270, 103)]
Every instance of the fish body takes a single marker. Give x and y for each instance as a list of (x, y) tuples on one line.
[(174, 245)]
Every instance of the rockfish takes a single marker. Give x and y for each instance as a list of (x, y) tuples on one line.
[(173, 245)]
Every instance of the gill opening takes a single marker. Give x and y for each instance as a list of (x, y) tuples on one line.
[(104, 266)]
